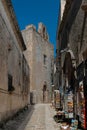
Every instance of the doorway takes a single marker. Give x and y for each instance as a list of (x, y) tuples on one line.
[(45, 93)]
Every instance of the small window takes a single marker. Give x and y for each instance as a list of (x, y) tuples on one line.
[(44, 60), (10, 80), (51, 78), (44, 30)]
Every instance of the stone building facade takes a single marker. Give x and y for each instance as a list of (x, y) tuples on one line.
[(72, 54), (39, 55), (14, 70)]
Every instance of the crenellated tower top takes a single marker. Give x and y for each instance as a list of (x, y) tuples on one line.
[(42, 31)]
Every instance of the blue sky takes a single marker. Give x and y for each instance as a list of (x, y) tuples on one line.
[(35, 11)]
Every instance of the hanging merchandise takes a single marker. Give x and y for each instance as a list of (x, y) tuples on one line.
[(82, 104), (81, 100), (70, 104), (57, 98)]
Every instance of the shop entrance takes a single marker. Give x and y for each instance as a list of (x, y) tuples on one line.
[(69, 83)]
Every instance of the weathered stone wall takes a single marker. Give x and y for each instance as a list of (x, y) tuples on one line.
[(37, 47), (11, 56), (78, 36), (73, 30), (75, 34)]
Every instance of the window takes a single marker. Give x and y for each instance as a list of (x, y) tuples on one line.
[(44, 30), (44, 59), (51, 78), (10, 80)]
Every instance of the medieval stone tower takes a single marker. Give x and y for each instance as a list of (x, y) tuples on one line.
[(39, 55)]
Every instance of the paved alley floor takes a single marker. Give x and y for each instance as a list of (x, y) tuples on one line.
[(42, 119), (37, 117)]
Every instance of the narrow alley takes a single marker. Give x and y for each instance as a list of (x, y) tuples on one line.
[(43, 65)]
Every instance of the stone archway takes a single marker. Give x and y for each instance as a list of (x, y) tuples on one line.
[(70, 81), (69, 68)]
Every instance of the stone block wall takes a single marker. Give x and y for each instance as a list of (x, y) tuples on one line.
[(11, 56), (78, 36)]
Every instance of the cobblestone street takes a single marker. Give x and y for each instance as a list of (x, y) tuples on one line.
[(42, 118)]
